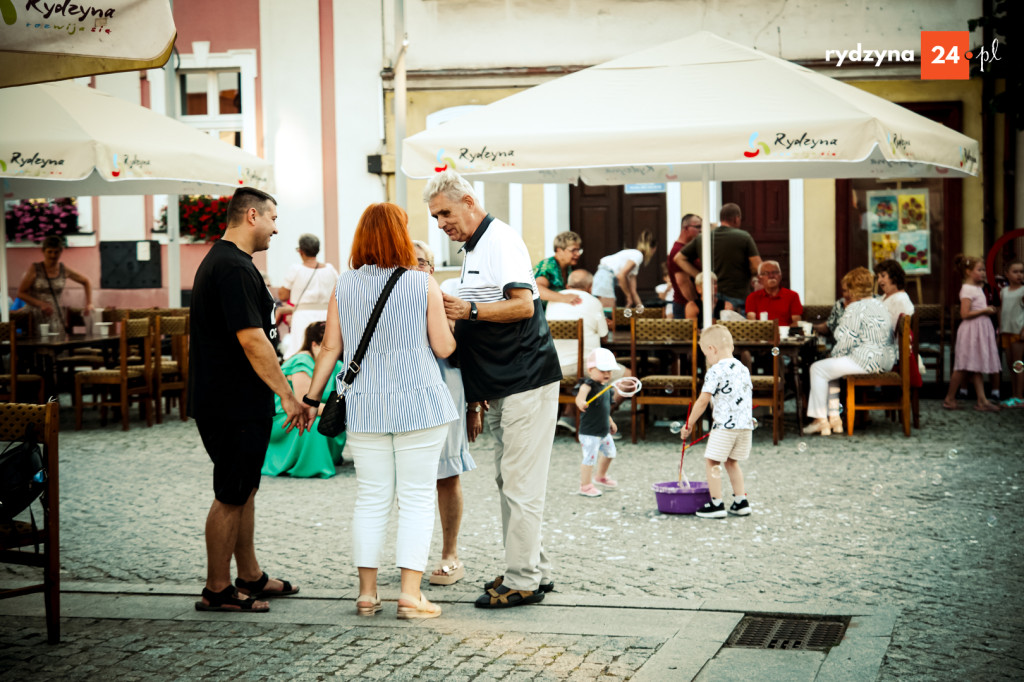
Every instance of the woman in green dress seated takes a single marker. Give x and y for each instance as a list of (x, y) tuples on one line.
[(305, 455)]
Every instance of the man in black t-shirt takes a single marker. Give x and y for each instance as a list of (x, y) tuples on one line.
[(233, 376)]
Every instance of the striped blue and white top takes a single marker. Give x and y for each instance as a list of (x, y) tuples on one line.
[(399, 387)]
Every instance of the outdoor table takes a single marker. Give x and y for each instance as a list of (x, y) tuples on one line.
[(801, 351), (45, 349)]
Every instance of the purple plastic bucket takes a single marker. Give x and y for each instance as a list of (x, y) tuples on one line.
[(674, 498)]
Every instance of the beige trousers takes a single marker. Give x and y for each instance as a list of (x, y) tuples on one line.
[(524, 426)]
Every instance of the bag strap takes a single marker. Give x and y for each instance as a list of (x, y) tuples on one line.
[(371, 325), (56, 302)]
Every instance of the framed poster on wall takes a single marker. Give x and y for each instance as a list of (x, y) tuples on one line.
[(898, 228)]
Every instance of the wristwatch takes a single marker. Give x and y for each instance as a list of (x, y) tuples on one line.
[(474, 408), (309, 401), (472, 311)]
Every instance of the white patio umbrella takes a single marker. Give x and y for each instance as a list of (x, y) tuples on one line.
[(63, 139), (47, 41), (699, 108)]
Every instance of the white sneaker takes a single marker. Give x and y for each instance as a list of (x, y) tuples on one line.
[(565, 423)]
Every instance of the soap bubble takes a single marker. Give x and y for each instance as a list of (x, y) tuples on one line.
[(952, 453), (670, 389), (675, 427), (627, 312), (877, 491), (753, 423), (992, 521), (801, 447), (639, 310), (840, 408), (716, 471), (937, 479), (1018, 366), (775, 351)]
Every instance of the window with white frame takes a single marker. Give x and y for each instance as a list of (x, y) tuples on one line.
[(211, 100)]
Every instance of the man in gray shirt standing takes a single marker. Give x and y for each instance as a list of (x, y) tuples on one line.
[(734, 257), (510, 370)]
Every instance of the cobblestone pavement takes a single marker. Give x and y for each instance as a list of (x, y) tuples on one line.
[(930, 525)]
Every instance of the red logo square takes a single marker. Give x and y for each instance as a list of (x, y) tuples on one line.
[(945, 55)]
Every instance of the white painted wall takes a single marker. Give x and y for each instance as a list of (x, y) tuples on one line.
[(540, 32), (122, 218), (290, 89), (358, 59)]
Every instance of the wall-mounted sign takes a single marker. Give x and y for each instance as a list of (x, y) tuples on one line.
[(898, 228)]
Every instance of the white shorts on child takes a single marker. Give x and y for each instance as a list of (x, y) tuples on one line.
[(594, 444), (726, 444)]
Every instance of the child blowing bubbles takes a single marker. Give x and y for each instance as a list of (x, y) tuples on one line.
[(596, 425), (727, 383)]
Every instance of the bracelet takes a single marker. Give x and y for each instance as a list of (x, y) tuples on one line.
[(309, 401)]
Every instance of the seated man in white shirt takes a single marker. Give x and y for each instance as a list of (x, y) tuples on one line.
[(595, 328)]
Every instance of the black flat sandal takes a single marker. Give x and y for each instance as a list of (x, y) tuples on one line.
[(228, 600), (256, 588), (544, 587)]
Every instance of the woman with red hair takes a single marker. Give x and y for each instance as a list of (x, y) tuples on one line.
[(398, 407)]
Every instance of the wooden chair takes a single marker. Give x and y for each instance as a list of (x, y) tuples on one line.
[(930, 338), (19, 541), (662, 389), (899, 378), (129, 381), (769, 390), (620, 321), (570, 330), (10, 377), (170, 374)]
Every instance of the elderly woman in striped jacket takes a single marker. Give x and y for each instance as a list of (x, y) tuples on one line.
[(864, 345), (398, 407)]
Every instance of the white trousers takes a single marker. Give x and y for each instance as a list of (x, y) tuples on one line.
[(523, 425), (390, 466), (824, 375)]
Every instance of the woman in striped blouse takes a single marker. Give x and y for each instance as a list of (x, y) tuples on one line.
[(864, 345), (398, 407)]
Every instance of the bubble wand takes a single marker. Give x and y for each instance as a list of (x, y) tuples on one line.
[(683, 453), (621, 390)]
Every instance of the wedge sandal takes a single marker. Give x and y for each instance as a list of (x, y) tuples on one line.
[(450, 573)]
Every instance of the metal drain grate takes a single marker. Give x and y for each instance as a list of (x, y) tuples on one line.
[(805, 633)]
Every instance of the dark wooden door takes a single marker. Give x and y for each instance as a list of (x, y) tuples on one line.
[(609, 220), (765, 206)]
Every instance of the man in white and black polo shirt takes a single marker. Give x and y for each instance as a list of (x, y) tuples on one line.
[(510, 369)]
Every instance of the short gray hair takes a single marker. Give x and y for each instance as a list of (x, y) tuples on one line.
[(309, 244), (563, 240), (427, 251), (450, 184), (769, 262), (580, 279)]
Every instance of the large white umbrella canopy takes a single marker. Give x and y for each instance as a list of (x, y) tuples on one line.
[(66, 140), (45, 41), (673, 112), (698, 108)]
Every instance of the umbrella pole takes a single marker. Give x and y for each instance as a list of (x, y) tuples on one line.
[(705, 246), (5, 312)]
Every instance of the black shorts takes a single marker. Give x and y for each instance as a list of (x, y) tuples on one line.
[(237, 449)]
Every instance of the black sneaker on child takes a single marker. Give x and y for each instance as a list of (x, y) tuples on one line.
[(710, 510), (741, 508)]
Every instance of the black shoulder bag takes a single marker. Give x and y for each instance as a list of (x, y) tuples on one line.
[(332, 421)]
